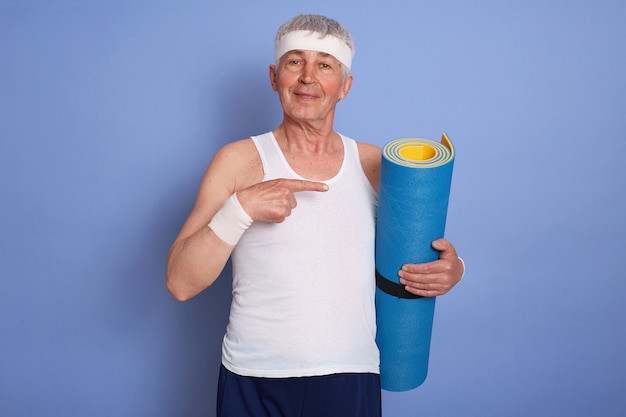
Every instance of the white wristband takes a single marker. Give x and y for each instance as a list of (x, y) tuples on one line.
[(463, 262), (230, 221)]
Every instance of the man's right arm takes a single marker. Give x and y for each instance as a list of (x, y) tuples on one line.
[(198, 255), (200, 252)]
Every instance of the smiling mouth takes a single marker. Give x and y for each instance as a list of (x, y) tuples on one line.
[(306, 96), (305, 93)]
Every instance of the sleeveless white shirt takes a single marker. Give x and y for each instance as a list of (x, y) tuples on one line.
[(303, 289)]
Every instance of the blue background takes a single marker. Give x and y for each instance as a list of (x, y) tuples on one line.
[(111, 110)]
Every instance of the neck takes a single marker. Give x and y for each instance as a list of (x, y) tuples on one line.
[(316, 155), (306, 138)]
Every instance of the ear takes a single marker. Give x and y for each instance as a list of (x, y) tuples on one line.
[(273, 76), (347, 84)]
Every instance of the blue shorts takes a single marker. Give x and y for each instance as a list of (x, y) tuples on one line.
[(337, 395)]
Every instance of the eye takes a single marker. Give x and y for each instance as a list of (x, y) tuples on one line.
[(293, 59)]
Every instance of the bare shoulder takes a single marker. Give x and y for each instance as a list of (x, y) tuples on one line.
[(237, 152), (236, 165), (367, 150), (370, 161)]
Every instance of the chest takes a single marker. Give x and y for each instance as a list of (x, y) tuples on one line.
[(315, 166)]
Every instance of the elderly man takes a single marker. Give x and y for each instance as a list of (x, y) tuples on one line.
[(296, 209)]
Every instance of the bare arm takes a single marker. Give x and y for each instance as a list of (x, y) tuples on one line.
[(198, 256), (370, 156)]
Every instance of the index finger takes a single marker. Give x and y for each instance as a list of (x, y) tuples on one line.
[(303, 185)]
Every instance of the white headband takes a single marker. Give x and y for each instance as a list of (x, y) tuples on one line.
[(311, 41)]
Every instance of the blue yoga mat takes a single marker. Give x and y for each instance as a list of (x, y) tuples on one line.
[(415, 181)]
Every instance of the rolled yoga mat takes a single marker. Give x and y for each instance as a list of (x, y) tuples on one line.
[(415, 181)]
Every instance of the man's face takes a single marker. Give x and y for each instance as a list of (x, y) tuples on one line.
[(309, 84)]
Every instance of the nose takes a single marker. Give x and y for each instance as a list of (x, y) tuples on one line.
[(307, 76)]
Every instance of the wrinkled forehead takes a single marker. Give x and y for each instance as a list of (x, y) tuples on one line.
[(313, 41)]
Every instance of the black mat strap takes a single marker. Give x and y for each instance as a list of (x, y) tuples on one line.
[(393, 288)]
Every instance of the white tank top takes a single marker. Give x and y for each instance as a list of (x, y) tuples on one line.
[(303, 289)]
